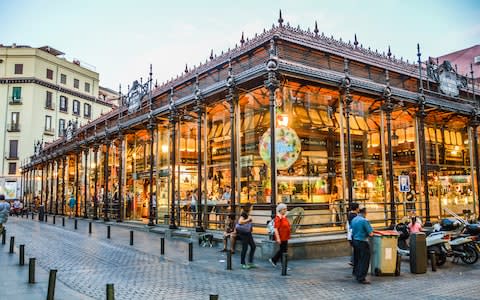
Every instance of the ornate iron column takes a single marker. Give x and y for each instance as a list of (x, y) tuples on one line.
[(47, 167), (388, 109), (57, 189), (272, 85), (474, 123), (64, 166), (52, 167), (106, 203), (85, 183), (95, 182), (199, 109), (120, 177), (424, 161), (151, 211), (345, 86), (232, 99), (173, 122), (77, 179)]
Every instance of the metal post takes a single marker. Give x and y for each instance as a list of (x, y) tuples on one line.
[(85, 184), (108, 231), (90, 227), (348, 108), (433, 260), (229, 260), (172, 120), (51, 284), (199, 227), (77, 180), (52, 166), (105, 193), (76, 224), (64, 164), (231, 99), (45, 218), (110, 291), (31, 270), (53, 219), (95, 183), (162, 246), (57, 163), (12, 243), (46, 186), (41, 184), (423, 144), (190, 251), (388, 108), (21, 257), (284, 264), (4, 236), (151, 211), (131, 237), (120, 178), (476, 158), (63, 221), (213, 297)]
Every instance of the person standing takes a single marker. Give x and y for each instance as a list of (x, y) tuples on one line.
[(354, 208), (282, 233), (4, 212), (71, 204), (361, 231), (244, 232)]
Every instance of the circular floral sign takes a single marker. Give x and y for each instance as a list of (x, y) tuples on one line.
[(287, 147)]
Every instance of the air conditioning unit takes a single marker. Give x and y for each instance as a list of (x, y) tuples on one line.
[(476, 60)]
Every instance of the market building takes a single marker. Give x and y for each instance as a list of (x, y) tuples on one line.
[(336, 122)]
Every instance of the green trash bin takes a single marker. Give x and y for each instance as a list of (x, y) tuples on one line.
[(384, 252)]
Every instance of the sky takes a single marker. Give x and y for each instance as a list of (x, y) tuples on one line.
[(121, 38)]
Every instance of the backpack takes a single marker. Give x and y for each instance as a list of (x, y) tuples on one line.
[(271, 227)]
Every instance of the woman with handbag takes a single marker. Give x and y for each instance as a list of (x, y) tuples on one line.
[(244, 232)]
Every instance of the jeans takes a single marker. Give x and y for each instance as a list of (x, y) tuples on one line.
[(247, 240), (361, 259), (283, 249)]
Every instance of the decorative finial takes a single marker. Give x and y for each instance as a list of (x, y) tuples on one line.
[(355, 41), (211, 54), (316, 28), (242, 39), (389, 53), (280, 19), (186, 68)]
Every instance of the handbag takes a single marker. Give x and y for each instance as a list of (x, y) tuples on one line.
[(244, 228)]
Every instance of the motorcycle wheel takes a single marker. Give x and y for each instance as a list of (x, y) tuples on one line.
[(441, 259), (471, 255)]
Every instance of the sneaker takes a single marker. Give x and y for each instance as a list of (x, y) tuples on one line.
[(245, 267), (273, 264), (252, 265)]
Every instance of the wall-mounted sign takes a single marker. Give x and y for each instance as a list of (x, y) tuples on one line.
[(287, 147), (448, 79), (404, 183)]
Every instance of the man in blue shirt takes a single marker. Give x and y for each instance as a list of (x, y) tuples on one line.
[(361, 230)]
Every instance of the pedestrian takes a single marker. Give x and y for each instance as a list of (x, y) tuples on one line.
[(361, 231), (4, 212), (229, 233), (282, 233), (71, 204), (354, 208), (244, 232), (415, 224)]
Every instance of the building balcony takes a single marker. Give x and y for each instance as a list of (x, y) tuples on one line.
[(15, 101), (13, 127), (49, 131)]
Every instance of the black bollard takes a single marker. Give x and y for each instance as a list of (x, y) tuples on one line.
[(63, 221), (229, 260), (108, 231), (284, 264), (12, 242), (33, 214), (21, 257), (190, 251), (213, 297), (4, 236), (51, 284), (433, 260), (31, 270), (76, 224), (162, 246), (131, 237), (110, 291), (90, 227), (54, 220), (46, 218)]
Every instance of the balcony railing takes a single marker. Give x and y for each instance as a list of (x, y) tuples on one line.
[(15, 101), (13, 127)]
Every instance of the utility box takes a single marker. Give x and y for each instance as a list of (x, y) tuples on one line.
[(418, 253), (384, 253)]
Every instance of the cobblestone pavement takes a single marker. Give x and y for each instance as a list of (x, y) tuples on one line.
[(86, 262)]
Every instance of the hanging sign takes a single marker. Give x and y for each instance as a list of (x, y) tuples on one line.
[(404, 183), (287, 147)]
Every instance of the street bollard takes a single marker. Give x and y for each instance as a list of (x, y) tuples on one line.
[(162, 246), (131, 237), (46, 218), (433, 260), (33, 214), (108, 231), (63, 221), (190, 251), (110, 291), (213, 297), (76, 224), (4, 236), (398, 266), (21, 257), (54, 220), (284, 264), (31, 270), (12, 242), (229, 260), (90, 227), (51, 284)]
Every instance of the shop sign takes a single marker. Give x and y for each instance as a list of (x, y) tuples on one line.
[(287, 147), (10, 190), (404, 183), (246, 161), (448, 79)]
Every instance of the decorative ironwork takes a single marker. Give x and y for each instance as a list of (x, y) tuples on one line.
[(450, 82)]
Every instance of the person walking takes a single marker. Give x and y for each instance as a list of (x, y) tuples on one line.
[(71, 204), (4, 212), (244, 232), (361, 231), (354, 208), (282, 233)]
